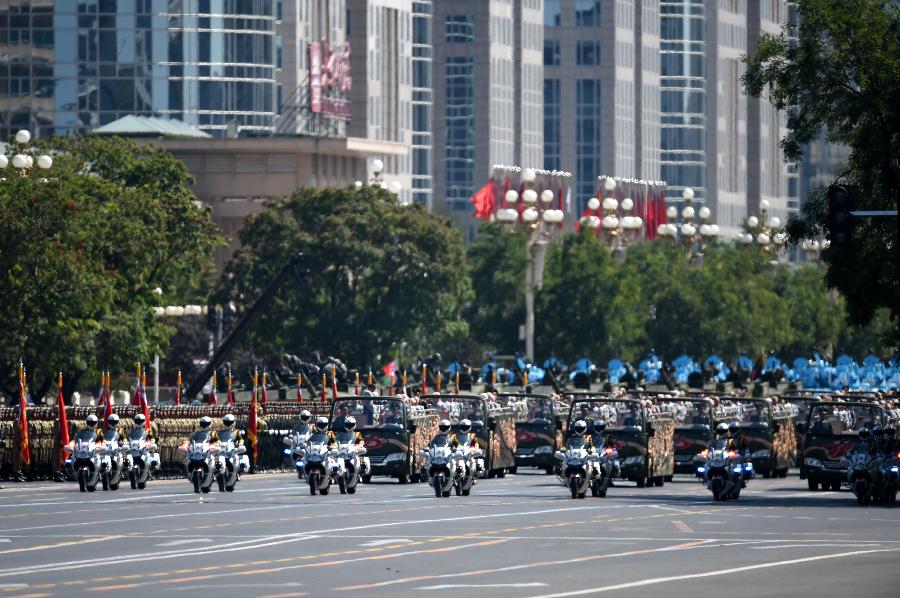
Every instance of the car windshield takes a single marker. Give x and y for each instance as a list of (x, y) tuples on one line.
[(616, 414), (691, 413), (530, 409), (753, 412), (457, 408), (369, 413), (843, 419)]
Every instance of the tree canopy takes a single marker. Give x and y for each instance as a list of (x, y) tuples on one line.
[(837, 69), (83, 247), (379, 273)]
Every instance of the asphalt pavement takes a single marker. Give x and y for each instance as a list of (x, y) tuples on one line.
[(520, 536)]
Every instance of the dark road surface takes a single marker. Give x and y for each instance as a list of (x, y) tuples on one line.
[(519, 536)]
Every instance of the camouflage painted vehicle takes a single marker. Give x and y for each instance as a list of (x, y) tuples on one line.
[(803, 402), (494, 426), (642, 432), (830, 430), (539, 428), (393, 429), (766, 430), (695, 427)]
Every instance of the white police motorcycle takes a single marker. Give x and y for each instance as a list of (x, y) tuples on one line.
[(231, 461), (579, 466), (470, 459), (111, 461), (141, 458), (444, 467), (356, 464), (722, 471), (321, 463), (86, 458), (296, 443), (200, 463)]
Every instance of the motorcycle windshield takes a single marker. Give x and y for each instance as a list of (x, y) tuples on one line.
[(718, 444), (440, 440), (226, 436), (200, 436), (111, 436), (86, 436), (577, 442), (137, 434)]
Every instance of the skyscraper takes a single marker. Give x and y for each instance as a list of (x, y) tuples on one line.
[(422, 103), (601, 90), (487, 78)]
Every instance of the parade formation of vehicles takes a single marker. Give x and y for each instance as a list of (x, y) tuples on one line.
[(591, 440)]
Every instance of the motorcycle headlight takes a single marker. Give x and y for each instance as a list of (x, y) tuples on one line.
[(701, 469), (543, 450), (395, 457), (811, 462), (738, 469), (748, 466), (894, 469), (299, 463), (760, 454), (636, 460), (287, 451)]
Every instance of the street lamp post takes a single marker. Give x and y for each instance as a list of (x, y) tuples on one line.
[(695, 238), (23, 160), (761, 232), (534, 214), (617, 231)]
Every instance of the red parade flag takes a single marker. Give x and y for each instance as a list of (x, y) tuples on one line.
[(145, 407), (107, 405), (229, 400), (483, 200), (63, 422), (22, 424), (252, 424), (390, 369)]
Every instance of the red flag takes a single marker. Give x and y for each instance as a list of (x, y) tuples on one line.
[(22, 422), (299, 388), (229, 400), (264, 397), (251, 422), (212, 392), (483, 201), (107, 408), (390, 369), (145, 406), (178, 390), (507, 184), (63, 421), (135, 400)]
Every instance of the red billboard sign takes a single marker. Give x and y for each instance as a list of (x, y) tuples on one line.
[(315, 77)]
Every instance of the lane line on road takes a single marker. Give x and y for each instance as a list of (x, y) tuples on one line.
[(659, 580), (682, 526), (60, 544)]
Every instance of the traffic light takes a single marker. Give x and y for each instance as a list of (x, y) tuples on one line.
[(840, 222)]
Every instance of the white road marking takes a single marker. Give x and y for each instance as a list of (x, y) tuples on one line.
[(183, 542), (659, 580), (13, 586), (5, 540), (450, 586), (832, 545), (386, 541)]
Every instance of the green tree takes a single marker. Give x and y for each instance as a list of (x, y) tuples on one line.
[(83, 248), (842, 74), (816, 314), (379, 272), (496, 261)]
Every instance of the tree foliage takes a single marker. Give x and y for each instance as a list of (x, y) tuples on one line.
[(842, 75), (82, 248), (378, 273)]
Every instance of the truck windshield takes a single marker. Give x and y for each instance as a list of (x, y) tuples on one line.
[(369, 413)]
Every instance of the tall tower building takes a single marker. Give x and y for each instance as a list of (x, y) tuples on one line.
[(487, 78), (75, 66), (601, 90), (422, 103)]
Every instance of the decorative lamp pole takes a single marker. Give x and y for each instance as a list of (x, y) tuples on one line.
[(23, 160), (695, 237), (533, 213), (761, 231)]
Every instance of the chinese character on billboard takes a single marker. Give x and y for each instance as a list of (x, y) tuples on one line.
[(315, 77), (329, 79)]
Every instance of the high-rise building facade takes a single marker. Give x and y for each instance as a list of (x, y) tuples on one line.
[(487, 81), (422, 103), (601, 90), (74, 66)]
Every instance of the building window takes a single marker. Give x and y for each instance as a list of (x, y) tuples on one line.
[(460, 130), (551, 52), (552, 108), (551, 13), (587, 53), (459, 28), (587, 138), (587, 13)]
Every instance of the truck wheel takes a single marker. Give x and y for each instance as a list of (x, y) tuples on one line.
[(641, 482), (549, 470), (836, 486), (512, 470), (812, 484)]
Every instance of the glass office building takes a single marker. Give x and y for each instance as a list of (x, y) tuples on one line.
[(74, 66), (422, 103)]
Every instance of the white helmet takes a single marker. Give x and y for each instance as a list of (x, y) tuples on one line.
[(444, 426), (579, 427), (139, 419), (465, 426), (205, 422), (305, 416), (322, 423), (228, 420), (91, 421), (349, 423), (112, 420)]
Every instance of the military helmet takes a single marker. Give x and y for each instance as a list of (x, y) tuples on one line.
[(205, 422), (321, 423), (349, 423), (444, 426), (465, 426), (112, 420), (228, 420), (91, 421), (305, 416), (579, 427), (733, 427)]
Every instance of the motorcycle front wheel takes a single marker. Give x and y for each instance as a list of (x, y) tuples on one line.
[(573, 486), (195, 480), (313, 483), (82, 486), (132, 476), (716, 487), (342, 485), (105, 481), (438, 486), (220, 479)]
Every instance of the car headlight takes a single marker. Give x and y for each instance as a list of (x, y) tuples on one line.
[(760, 453), (637, 460), (395, 457), (543, 450), (810, 462)]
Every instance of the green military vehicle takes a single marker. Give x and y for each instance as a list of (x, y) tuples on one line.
[(493, 424), (695, 427), (766, 430), (393, 429), (642, 433), (830, 430), (540, 421)]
